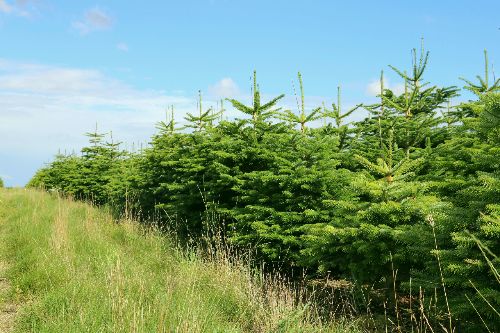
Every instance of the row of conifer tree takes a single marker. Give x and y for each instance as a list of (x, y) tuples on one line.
[(413, 188)]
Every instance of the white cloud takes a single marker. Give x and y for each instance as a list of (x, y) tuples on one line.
[(94, 19), (53, 80), (5, 7), (44, 108), (122, 47), (373, 88), (18, 7), (398, 88), (226, 87)]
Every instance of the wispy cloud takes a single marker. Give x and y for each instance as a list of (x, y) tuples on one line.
[(5, 7), (122, 46), (373, 88), (44, 108), (18, 7), (95, 19), (225, 88)]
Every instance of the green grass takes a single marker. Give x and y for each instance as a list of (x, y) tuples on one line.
[(75, 269)]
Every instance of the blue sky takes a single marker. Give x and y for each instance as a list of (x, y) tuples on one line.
[(65, 65)]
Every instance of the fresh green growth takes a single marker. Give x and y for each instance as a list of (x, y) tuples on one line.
[(302, 118), (77, 270), (484, 83), (167, 126), (258, 111), (202, 120)]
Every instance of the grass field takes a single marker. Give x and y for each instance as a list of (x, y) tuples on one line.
[(72, 268)]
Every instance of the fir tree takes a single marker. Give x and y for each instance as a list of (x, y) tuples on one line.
[(203, 120), (167, 126), (302, 118), (483, 86), (258, 111), (470, 166)]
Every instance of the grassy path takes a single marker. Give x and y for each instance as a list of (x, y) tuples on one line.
[(77, 270), (8, 308)]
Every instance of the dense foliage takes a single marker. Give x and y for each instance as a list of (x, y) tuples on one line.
[(410, 193)]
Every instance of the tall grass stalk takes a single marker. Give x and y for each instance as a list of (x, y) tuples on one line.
[(432, 223)]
